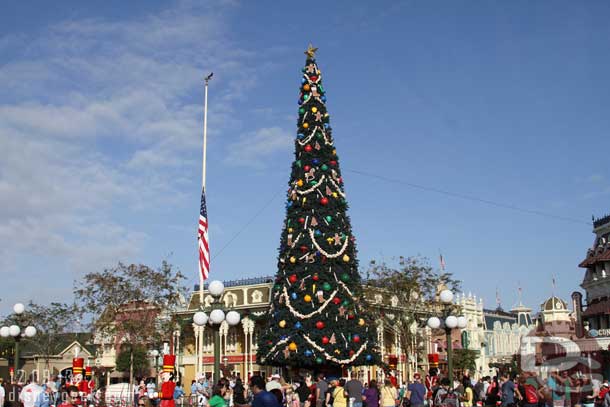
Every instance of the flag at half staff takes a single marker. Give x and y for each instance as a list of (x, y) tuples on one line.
[(204, 247)]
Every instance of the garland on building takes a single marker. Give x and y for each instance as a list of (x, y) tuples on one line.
[(315, 317)]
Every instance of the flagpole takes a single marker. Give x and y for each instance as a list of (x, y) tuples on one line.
[(205, 145)]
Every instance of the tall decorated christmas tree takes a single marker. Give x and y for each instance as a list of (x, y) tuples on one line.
[(316, 317)]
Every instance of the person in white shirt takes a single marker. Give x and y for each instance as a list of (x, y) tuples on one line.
[(29, 394), (2, 392)]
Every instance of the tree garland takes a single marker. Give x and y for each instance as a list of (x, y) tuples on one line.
[(302, 316), (329, 357), (330, 256)]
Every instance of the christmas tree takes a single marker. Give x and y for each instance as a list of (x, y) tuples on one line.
[(316, 317)]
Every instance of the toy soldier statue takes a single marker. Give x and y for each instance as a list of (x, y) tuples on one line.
[(167, 377)]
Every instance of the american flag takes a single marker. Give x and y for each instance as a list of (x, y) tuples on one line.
[(204, 248)]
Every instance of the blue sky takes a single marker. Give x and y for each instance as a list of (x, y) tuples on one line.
[(100, 133)]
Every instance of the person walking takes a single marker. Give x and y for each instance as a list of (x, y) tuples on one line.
[(262, 398), (468, 393), (416, 392), (339, 399), (48, 397), (353, 389), (321, 389), (389, 395), (371, 395)]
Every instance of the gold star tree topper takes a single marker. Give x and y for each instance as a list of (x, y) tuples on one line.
[(311, 51)]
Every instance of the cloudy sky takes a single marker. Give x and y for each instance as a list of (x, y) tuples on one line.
[(101, 124)]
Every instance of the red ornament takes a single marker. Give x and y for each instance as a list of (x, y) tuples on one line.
[(336, 301), (307, 168), (324, 201), (356, 338), (301, 220), (293, 278), (350, 315), (313, 78), (340, 179), (325, 340), (320, 325), (351, 353), (333, 163), (308, 148), (315, 277)]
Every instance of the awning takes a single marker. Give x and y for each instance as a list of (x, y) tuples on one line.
[(601, 307)]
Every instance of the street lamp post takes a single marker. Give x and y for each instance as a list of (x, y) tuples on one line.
[(448, 323), (16, 332), (155, 354), (217, 314)]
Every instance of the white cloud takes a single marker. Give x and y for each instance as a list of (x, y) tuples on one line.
[(251, 150), (102, 117)]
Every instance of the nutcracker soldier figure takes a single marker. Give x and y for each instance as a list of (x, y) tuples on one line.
[(89, 383), (432, 376), (77, 375), (167, 377)]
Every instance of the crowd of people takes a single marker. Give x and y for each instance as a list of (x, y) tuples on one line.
[(525, 390)]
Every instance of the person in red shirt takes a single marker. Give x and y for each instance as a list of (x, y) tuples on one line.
[(74, 399), (167, 376)]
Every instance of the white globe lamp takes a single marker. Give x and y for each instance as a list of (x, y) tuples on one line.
[(434, 323), (233, 318), (19, 308), (30, 331), (154, 353), (446, 297), (462, 322), (451, 322), (5, 332), (216, 288), (217, 316), (200, 318), (14, 330)]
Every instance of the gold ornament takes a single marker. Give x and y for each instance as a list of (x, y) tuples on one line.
[(307, 298), (311, 51), (289, 230), (282, 324), (293, 260), (292, 347), (314, 109), (300, 183), (335, 195), (329, 240), (305, 125), (346, 258), (361, 322)]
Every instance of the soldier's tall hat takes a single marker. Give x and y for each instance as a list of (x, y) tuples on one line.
[(77, 366), (168, 363)]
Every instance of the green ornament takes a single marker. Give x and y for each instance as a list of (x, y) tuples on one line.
[(298, 163), (345, 303), (305, 96), (319, 360), (301, 111), (277, 287), (326, 286), (319, 135), (345, 277), (329, 218), (324, 167), (320, 87), (312, 183)]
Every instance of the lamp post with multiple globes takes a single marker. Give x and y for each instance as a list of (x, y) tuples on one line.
[(448, 323), (217, 314), (15, 331)]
